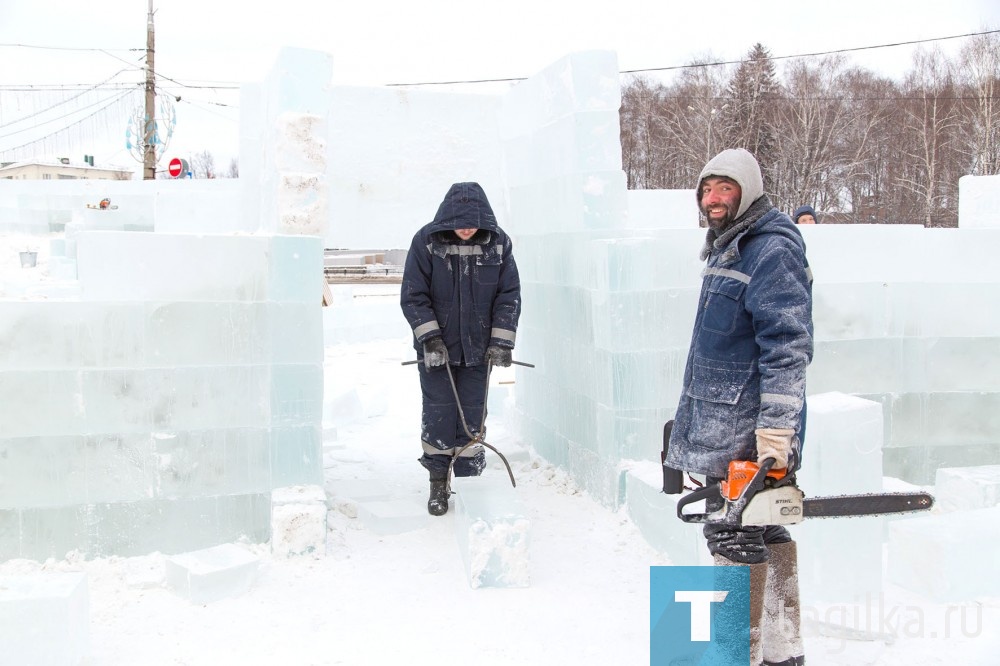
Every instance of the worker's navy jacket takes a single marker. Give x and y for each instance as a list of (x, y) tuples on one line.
[(468, 292), (752, 342)]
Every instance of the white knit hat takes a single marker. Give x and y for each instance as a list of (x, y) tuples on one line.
[(741, 166)]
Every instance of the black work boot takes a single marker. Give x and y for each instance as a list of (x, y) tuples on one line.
[(437, 504)]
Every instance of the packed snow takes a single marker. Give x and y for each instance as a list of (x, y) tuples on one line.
[(406, 597)]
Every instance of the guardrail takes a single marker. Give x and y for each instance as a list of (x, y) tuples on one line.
[(384, 273)]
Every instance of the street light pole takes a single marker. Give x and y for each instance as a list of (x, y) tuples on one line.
[(149, 148)]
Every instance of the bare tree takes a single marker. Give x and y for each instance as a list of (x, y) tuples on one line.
[(203, 165), (234, 168), (860, 148), (699, 102), (864, 146), (637, 116), (809, 121), (931, 120), (980, 74), (668, 133)]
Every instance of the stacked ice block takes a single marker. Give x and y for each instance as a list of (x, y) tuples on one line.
[(159, 410), (906, 316), (606, 314), (284, 145)]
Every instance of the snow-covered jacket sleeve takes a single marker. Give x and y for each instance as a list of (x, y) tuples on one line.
[(507, 304), (779, 297), (415, 291)]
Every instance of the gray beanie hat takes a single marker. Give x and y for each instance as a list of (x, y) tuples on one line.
[(741, 166)]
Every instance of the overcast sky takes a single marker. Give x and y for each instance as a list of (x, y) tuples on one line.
[(377, 42)]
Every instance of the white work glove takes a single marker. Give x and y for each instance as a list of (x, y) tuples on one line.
[(774, 443)]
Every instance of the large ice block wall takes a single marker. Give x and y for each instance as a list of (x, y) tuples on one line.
[(904, 315), (397, 151), (579, 405), (154, 399), (45, 207), (908, 317)]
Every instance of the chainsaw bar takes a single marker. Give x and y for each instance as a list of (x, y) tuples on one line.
[(872, 504), (763, 500)]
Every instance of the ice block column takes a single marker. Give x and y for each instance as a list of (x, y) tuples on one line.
[(840, 559), (493, 529), (295, 100), (44, 619), (561, 144)]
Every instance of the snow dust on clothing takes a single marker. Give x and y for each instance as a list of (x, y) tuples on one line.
[(469, 293), (753, 333)]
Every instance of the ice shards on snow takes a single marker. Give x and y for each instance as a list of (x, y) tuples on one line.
[(492, 529)]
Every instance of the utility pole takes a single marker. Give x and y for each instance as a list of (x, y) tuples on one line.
[(149, 148)]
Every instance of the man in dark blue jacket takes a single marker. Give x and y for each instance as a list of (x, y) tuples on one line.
[(462, 297), (745, 381)]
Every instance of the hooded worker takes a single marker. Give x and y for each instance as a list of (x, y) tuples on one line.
[(461, 295), (745, 379)]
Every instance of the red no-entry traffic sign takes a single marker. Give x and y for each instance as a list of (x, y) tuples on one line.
[(175, 167)]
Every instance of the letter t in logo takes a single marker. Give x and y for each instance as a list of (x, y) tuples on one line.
[(701, 610)]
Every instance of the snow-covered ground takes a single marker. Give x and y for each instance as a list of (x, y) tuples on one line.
[(405, 599)]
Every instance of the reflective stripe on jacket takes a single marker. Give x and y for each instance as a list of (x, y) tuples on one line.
[(468, 292), (751, 345)]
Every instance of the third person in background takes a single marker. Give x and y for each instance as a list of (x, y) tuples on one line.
[(804, 215)]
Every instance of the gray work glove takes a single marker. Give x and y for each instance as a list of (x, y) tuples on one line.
[(497, 355), (774, 443), (435, 352)]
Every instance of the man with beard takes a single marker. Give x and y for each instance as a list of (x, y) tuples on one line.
[(744, 382)]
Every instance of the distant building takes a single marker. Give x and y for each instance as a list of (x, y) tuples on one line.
[(61, 169)]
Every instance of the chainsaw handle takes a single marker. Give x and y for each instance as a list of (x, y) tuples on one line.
[(756, 484), (705, 493), (733, 510)]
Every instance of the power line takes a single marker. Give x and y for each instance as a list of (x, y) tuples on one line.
[(106, 52), (728, 62), (234, 86), (815, 54), (64, 87), (63, 48)]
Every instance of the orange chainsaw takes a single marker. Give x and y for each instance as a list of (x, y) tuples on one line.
[(753, 494)]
